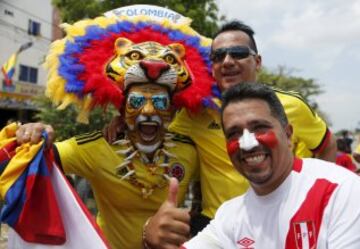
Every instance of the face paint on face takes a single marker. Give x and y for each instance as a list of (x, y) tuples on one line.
[(267, 139), (147, 113), (249, 141)]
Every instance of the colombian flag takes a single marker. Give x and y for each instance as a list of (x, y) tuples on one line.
[(40, 205), (8, 69)]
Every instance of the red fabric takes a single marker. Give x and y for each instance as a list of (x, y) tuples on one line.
[(40, 220), (8, 151), (345, 160), (297, 166), (310, 212), (324, 142)]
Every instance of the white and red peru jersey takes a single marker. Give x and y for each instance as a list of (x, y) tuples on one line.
[(315, 207)]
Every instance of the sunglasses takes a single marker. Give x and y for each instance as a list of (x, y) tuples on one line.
[(237, 53), (160, 102)]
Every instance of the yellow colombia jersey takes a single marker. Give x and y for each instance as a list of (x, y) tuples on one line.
[(219, 180), (121, 205)]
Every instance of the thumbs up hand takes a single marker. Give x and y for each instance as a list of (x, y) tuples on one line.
[(169, 228)]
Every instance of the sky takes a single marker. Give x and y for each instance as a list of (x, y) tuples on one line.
[(318, 39)]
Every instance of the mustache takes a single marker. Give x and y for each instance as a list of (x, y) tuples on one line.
[(153, 118)]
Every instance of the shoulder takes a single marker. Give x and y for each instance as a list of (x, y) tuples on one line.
[(332, 172), (88, 137), (86, 140), (230, 207), (291, 99)]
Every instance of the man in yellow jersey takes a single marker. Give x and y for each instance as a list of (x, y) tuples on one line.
[(235, 59), (130, 178)]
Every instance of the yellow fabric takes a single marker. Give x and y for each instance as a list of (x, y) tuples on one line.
[(122, 210), (357, 150), (24, 154), (7, 134), (219, 180), (308, 128)]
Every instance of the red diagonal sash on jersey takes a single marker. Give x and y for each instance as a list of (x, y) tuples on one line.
[(305, 224)]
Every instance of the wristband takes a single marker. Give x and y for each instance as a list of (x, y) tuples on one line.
[(145, 244)]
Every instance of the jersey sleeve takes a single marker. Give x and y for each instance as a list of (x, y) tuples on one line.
[(73, 158), (344, 217), (308, 127), (205, 239)]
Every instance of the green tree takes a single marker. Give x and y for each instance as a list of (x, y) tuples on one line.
[(282, 78), (204, 13), (64, 121)]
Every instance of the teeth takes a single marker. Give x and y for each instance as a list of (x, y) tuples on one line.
[(252, 160), (149, 123)]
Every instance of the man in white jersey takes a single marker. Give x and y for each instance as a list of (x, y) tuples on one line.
[(292, 203)]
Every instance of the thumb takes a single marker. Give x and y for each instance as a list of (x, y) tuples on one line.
[(173, 190)]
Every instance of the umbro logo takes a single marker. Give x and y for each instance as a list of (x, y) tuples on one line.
[(245, 243), (213, 125)]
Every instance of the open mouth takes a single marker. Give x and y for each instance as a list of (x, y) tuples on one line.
[(148, 130)]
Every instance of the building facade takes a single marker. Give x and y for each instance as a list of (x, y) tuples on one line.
[(28, 28)]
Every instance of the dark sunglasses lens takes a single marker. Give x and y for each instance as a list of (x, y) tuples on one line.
[(236, 53), (218, 55), (239, 52)]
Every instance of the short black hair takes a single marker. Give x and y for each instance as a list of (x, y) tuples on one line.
[(236, 25), (255, 90), (341, 145)]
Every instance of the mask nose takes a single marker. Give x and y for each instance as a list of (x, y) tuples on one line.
[(153, 69)]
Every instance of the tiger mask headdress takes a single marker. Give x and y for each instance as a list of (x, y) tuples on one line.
[(148, 62), (97, 60)]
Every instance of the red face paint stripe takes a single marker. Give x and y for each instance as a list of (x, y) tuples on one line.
[(310, 214), (232, 146), (268, 139)]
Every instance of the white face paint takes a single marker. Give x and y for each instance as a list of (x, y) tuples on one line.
[(248, 140)]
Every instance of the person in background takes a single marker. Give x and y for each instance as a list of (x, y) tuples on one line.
[(291, 202), (343, 158), (348, 140)]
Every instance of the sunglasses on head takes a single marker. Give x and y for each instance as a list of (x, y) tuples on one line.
[(237, 53)]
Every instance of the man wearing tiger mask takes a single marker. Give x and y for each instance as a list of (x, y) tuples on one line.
[(147, 68)]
